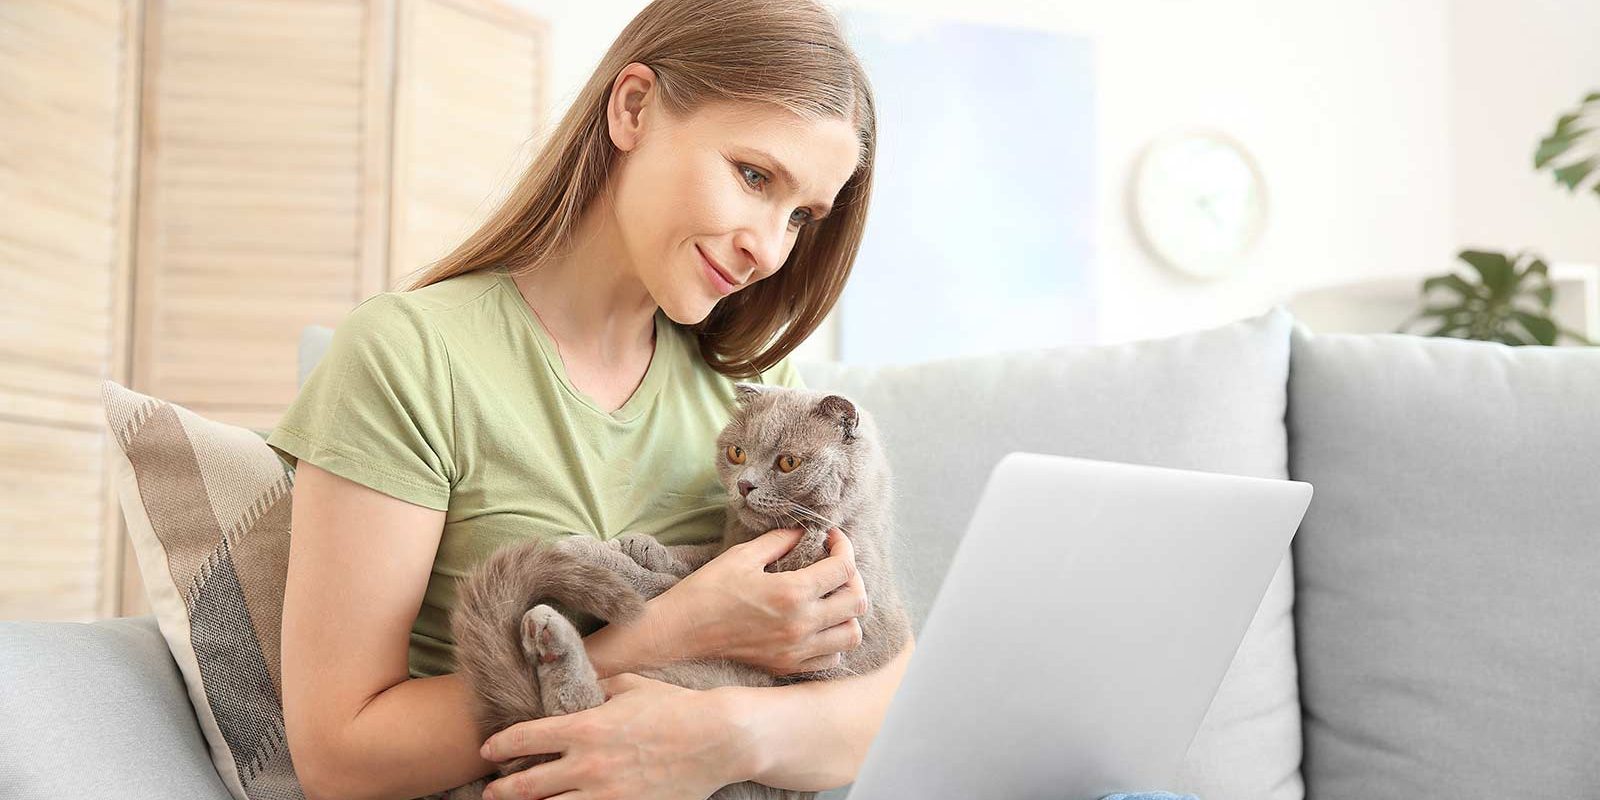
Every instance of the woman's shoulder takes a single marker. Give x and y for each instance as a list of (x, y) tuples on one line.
[(416, 312), (448, 294)]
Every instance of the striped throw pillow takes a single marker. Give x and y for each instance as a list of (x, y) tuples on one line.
[(207, 508)]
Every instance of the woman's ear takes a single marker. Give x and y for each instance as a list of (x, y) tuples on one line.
[(631, 95)]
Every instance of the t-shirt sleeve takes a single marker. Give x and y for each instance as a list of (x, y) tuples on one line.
[(378, 407), (784, 373)]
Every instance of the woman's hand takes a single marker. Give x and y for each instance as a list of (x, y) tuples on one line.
[(649, 740), (778, 621)]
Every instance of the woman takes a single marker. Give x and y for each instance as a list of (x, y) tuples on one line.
[(566, 369)]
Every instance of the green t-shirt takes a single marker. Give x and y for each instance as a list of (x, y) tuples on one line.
[(454, 397)]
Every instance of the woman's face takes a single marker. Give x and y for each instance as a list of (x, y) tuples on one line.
[(714, 184)]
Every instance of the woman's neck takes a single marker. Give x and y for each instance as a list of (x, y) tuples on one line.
[(590, 299)]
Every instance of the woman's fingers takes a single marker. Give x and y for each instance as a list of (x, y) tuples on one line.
[(772, 545), (849, 602), (839, 638), (548, 780), (824, 661), (524, 739), (834, 571)]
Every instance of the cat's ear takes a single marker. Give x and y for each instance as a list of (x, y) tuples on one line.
[(840, 411), (745, 392)]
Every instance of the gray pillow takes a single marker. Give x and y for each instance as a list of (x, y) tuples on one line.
[(1448, 610), (97, 710), (1209, 400), (314, 341)]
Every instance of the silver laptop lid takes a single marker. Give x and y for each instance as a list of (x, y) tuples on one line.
[(1086, 621)]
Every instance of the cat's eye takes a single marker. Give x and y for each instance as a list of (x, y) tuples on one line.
[(787, 463), (735, 454)]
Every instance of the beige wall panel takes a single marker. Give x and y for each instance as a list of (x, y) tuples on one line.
[(467, 114), (69, 103), (185, 185), (251, 204)]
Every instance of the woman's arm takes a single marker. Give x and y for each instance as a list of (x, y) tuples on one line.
[(419, 736), (357, 725), (653, 640), (812, 736)]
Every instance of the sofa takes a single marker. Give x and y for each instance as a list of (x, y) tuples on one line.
[(1434, 630)]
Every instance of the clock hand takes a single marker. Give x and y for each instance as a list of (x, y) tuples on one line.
[(1205, 203)]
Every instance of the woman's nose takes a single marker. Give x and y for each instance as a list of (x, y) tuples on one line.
[(765, 247), (745, 487)]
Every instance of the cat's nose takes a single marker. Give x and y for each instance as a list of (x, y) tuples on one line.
[(745, 487)]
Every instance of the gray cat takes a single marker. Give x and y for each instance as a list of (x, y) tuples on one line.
[(521, 614)]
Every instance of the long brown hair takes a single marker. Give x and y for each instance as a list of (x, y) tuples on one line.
[(788, 54)]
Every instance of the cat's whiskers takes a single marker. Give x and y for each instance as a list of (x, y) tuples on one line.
[(814, 516), (787, 516)]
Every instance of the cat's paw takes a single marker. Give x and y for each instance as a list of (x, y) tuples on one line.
[(566, 679), (645, 551), (581, 545), (547, 636)]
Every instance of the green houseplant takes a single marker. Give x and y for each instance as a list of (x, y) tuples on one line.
[(1508, 299), (1572, 151)]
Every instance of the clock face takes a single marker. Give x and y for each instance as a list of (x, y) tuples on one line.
[(1199, 202)]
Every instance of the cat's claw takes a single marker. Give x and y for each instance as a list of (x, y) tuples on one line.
[(645, 551)]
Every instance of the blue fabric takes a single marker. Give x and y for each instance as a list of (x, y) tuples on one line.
[(1149, 796)]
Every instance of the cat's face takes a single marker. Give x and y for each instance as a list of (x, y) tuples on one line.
[(786, 447)]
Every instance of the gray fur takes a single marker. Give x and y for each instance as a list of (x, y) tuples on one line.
[(521, 615)]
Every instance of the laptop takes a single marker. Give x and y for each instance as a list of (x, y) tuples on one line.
[(1084, 625)]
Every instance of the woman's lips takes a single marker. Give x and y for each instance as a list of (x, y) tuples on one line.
[(723, 285)]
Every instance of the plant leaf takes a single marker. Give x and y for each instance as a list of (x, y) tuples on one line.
[(1443, 311), (1571, 174), (1455, 282), (1542, 329), (1572, 137), (1496, 271), (1445, 329)]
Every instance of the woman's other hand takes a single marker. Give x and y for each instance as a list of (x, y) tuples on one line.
[(649, 740), (777, 621)]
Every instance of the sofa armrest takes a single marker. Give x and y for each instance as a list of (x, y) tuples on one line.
[(97, 710)]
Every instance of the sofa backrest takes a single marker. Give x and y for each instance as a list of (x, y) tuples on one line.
[(1448, 608)]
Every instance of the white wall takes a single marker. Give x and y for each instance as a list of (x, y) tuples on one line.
[(1367, 118), (1515, 68)]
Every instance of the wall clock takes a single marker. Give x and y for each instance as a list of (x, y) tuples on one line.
[(1198, 202)]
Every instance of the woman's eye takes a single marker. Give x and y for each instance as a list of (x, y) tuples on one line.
[(735, 454), (747, 171), (787, 463)]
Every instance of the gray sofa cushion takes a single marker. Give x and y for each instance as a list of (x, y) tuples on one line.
[(1209, 400), (97, 710), (1448, 608)]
